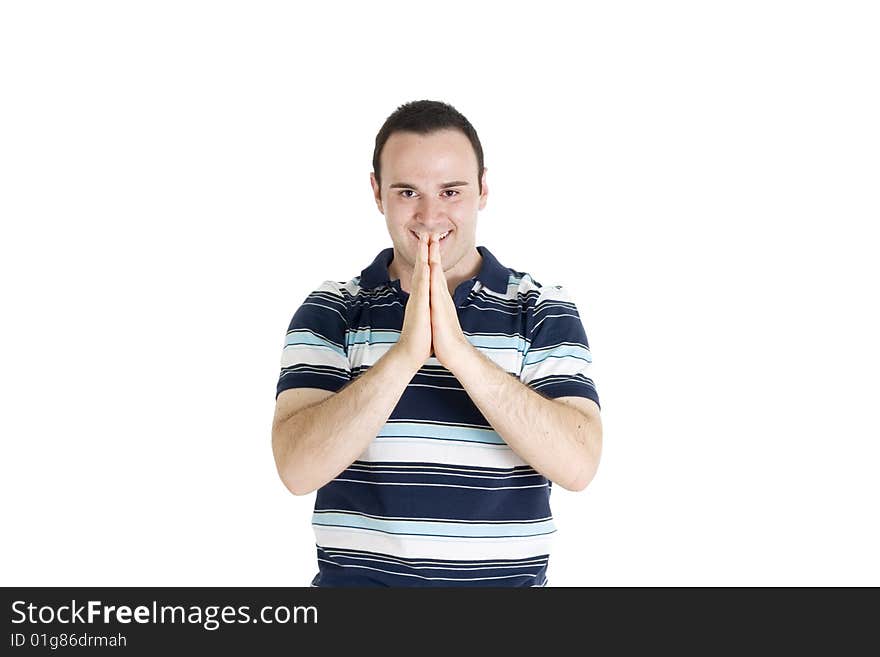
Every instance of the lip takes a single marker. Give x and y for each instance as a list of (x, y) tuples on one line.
[(416, 237)]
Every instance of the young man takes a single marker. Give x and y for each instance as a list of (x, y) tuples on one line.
[(432, 400)]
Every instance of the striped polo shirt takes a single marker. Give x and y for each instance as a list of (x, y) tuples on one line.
[(437, 498)]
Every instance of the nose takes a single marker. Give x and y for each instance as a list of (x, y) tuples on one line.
[(431, 214)]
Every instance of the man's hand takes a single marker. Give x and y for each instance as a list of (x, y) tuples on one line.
[(450, 344), (415, 336)]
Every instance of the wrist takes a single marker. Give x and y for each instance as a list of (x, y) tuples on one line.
[(462, 359), (403, 360)]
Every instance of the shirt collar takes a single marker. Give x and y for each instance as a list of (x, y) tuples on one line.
[(492, 274)]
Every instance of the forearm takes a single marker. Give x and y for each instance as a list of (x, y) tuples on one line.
[(320, 441), (557, 440)]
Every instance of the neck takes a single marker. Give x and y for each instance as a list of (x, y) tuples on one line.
[(468, 267)]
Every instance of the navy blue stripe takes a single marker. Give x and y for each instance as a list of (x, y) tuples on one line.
[(342, 569), (439, 563), (446, 405), (430, 502)]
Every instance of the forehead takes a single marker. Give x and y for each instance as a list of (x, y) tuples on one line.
[(440, 154)]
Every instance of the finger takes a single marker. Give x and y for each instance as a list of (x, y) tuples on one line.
[(437, 276), (419, 264), (432, 268), (436, 266), (425, 248), (434, 253), (421, 281), (420, 248), (425, 280)]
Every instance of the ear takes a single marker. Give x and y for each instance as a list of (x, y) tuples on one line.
[(377, 194), (484, 195)]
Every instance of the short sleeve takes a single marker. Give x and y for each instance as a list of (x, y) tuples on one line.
[(314, 353), (557, 361)]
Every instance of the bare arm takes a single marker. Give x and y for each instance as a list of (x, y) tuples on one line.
[(561, 438), (315, 443), (319, 435)]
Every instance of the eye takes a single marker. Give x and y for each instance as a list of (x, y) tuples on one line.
[(453, 192), (403, 193)]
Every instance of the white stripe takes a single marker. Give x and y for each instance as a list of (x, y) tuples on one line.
[(513, 299), (443, 579), (426, 385), (305, 329), (313, 370), (367, 355), (513, 304), (504, 300), (307, 354), (368, 296), (400, 483), (550, 347), (443, 469), (333, 287), (539, 562), (414, 563), (489, 292), (548, 316), (329, 297), (439, 423), (440, 474), (494, 310), (553, 293), (433, 547), (458, 520), (565, 366), (495, 334), (321, 305), (525, 285), (549, 383), (385, 305), (509, 360), (443, 452), (439, 375), (565, 305)]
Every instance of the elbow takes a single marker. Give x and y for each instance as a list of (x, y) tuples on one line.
[(292, 479), (297, 486), (589, 465), (581, 481), (294, 482)]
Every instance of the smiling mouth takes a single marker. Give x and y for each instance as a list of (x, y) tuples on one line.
[(443, 235)]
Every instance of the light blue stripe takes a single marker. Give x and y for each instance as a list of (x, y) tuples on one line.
[(515, 343), (416, 442), (307, 338), (417, 430), (427, 528), (373, 337), (573, 351)]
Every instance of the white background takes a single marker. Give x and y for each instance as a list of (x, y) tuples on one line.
[(175, 177)]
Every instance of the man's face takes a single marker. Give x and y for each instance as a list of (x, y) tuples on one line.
[(429, 185)]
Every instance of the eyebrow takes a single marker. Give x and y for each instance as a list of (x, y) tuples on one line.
[(403, 185)]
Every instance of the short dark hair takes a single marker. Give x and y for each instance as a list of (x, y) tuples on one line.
[(424, 117)]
